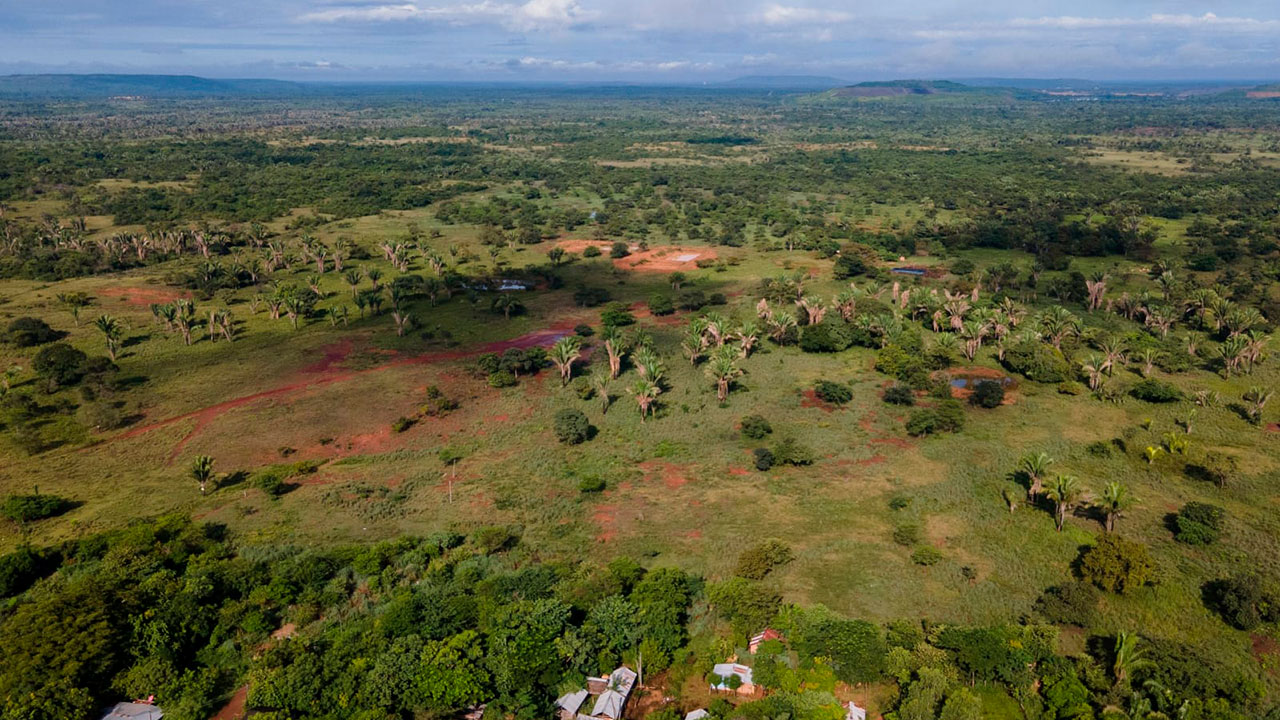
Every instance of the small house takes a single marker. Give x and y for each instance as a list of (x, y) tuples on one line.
[(855, 712), (610, 692), (723, 678), (760, 638), (696, 714), (133, 711), (569, 703)]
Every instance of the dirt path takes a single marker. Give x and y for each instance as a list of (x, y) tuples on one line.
[(326, 372), (234, 709)]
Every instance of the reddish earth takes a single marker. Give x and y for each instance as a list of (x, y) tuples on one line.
[(286, 631), (234, 709), (742, 472), (980, 373), (811, 400), (1265, 94), (1265, 649), (694, 534), (143, 297), (1274, 427), (606, 516), (873, 460), (326, 372), (671, 475), (664, 259)]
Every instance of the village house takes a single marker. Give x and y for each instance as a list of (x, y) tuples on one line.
[(760, 638), (610, 692), (133, 711), (723, 678)]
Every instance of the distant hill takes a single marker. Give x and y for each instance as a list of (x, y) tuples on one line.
[(898, 88), (804, 82), (107, 86)]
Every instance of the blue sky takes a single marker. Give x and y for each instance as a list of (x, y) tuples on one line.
[(632, 40)]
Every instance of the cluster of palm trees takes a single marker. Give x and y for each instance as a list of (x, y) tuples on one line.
[(1066, 492)]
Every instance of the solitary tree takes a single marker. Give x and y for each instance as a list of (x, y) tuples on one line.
[(564, 354), (1127, 656), (1036, 467), (1255, 399), (74, 301), (112, 331), (646, 393), (723, 369), (202, 471), (600, 384), (1065, 492), (1115, 500)]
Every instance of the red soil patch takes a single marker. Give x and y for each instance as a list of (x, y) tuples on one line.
[(143, 297), (975, 374), (324, 373), (873, 460), (1265, 94), (1265, 649), (670, 474), (694, 534), (741, 472), (1274, 427), (811, 400), (234, 709), (330, 357), (606, 516), (286, 631), (663, 259)]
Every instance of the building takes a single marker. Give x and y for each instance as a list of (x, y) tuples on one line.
[(611, 693), (855, 712), (696, 714), (759, 638), (723, 673), (134, 711)]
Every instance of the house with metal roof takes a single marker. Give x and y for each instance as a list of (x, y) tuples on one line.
[(611, 693), (133, 711), (722, 678)]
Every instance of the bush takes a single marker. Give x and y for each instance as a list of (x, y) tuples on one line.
[(501, 379), (29, 508), (617, 316), (764, 459), (988, 394), (926, 555), (583, 330), (1244, 601), (1198, 523), (661, 304), (922, 422), (20, 568), (830, 335), (1155, 391), (1038, 361), (692, 300), (831, 392), (899, 395), (1073, 603), (950, 415), (29, 332), (60, 365), (591, 251), (572, 426), (401, 424), (591, 485), (907, 534), (590, 296), (755, 427), (1117, 565), (619, 250), (762, 558), (790, 452), (437, 403), (849, 265)]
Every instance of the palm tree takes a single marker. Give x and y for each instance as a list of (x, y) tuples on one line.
[(1094, 368), (112, 330), (646, 394), (1153, 453), (1128, 656), (202, 471), (600, 384), (7, 377), (564, 354), (1057, 323), (1256, 399), (353, 278), (1036, 467), (723, 369), (185, 318), (615, 344), (748, 335), (74, 301), (1115, 500), (1065, 492)]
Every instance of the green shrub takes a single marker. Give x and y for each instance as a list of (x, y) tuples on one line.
[(848, 265), (1117, 565), (29, 332), (755, 427), (661, 304), (617, 316), (591, 485), (401, 424), (832, 392), (572, 426), (1244, 601), (907, 534), (1038, 361), (922, 422), (789, 451), (762, 558), (60, 365), (619, 250), (591, 251), (926, 555), (988, 394), (583, 330), (1198, 523), (1072, 603), (899, 502), (830, 335), (1155, 391), (30, 508), (501, 379), (763, 458), (899, 395)]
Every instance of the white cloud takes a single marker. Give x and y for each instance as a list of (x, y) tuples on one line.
[(788, 15), (1208, 20), (531, 15)]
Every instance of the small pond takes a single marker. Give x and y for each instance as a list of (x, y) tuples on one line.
[(965, 382), (908, 271)]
